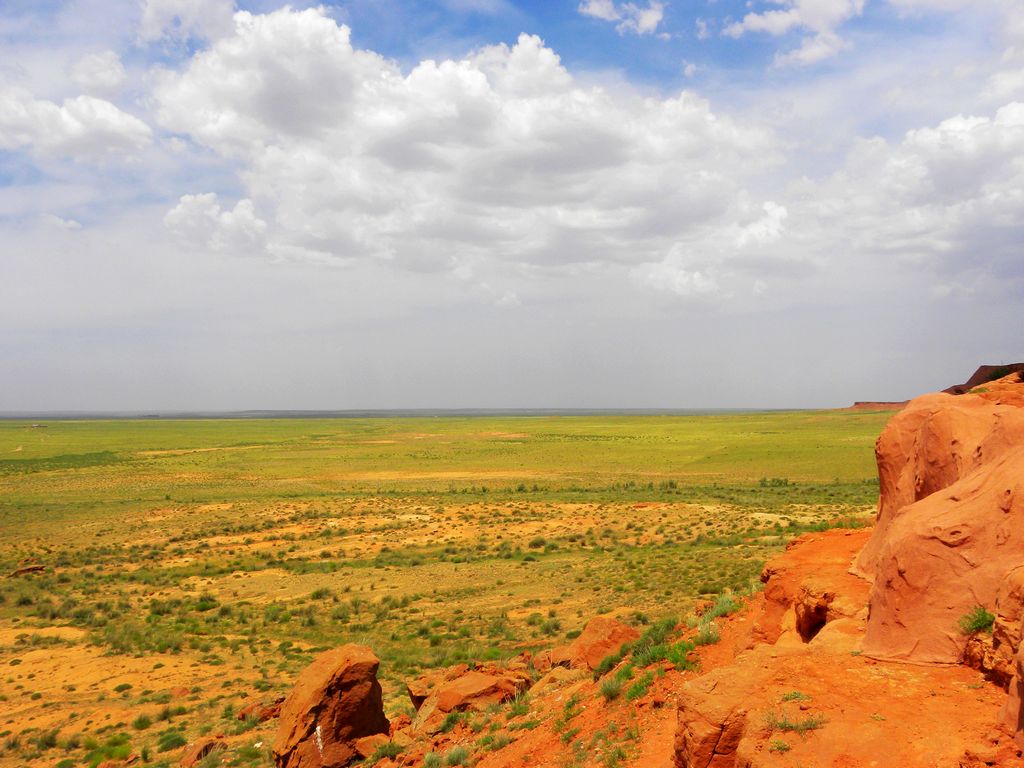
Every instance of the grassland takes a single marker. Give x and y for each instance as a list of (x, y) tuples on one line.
[(195, 566)]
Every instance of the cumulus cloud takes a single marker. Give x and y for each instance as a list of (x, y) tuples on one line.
[(84, 127), (501, 157), (503, 162), (182, 19), (944, 202), (766, 229), (631, 17), (200, 222), (818, 18), (948, 195), (99, 73)]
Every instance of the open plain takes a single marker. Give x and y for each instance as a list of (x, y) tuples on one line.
[(161, 575)]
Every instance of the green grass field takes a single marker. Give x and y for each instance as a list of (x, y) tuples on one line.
[(217, 556)]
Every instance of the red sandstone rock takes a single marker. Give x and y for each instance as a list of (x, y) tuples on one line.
[(199, 750), (810, 585), (602, 636), (27, 571), (419, 690), (931, 444), (870, 712), (261, 712), (473, 690), (942, 557), (367, 745), (336, 700)]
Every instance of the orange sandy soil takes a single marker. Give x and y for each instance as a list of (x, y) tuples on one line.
[(873, 713)]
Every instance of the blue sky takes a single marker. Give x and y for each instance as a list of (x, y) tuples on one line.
[(481, 203)]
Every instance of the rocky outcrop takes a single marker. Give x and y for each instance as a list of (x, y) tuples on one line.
[(26, 570), (931, 444), (335, 702), (464, 690), (944, 556), (986, 374), (603, 636), (810, 586), (260, 711)]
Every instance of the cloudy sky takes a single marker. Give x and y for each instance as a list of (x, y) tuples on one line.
[(489, 203)]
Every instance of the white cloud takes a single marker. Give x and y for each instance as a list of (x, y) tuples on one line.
[(499, 158), (819, 18), (99, 73), (181, 19), (84, 127), (947, 199), (674, 277), (60, 224), (765, 230), (200, 221), (640, 20), (600, 9)]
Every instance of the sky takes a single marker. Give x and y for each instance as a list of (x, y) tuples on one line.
[(208, 205)]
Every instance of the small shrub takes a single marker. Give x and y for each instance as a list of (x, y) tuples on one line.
[(781, 722), (457, 756), (977, 620), (678, 655), (724, 605), (451, 720), (608, 663), (611, 688), (169, 740), (47, 739), (499, 742), (388, 749), (142, 722), (639, 688), (707, 634), (431, 760), (519, 706)]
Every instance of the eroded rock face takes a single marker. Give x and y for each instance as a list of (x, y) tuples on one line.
[(260, 711), (601, 637), (810, 586), (933, 443), (335, 702), (710, 727), (943, 556), (460, 689)]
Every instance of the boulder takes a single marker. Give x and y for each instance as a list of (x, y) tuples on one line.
[(260, 711), (367, 745), (474, 690), (26, 570), (335, 701), (943, 556), (931, 444), (199, 750), (419, 690), (601, 637)]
